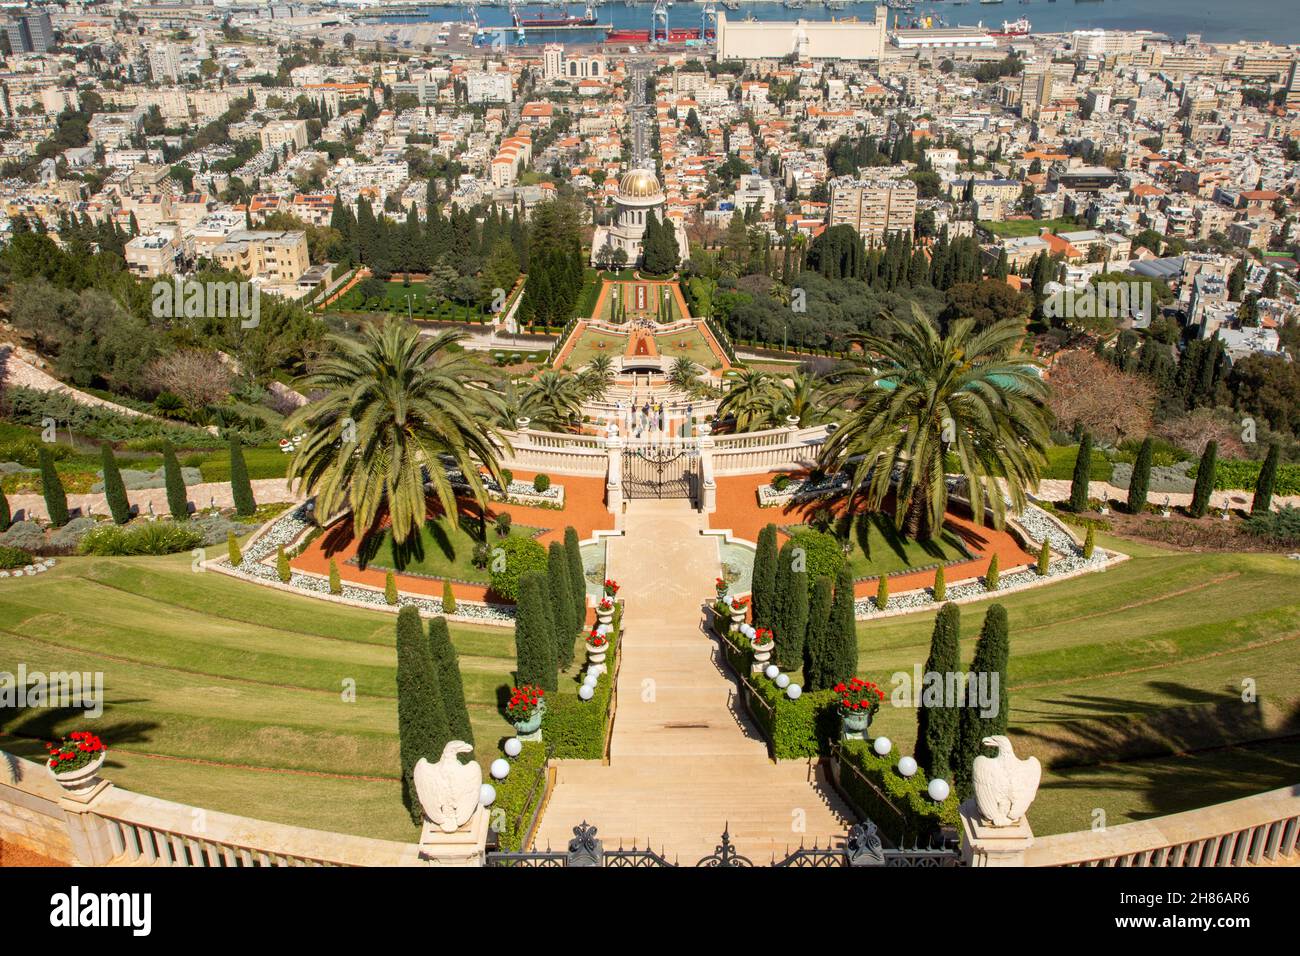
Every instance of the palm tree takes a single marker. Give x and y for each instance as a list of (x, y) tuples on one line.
[(752, 400), (552, 400), (684, 375), (395, 406), (915, 398), (800, 396), (597, 377)]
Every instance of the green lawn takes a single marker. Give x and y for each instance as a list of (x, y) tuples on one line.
[(592, 343), (879, 549), (230, 696), (439, 553), (1113, 674)]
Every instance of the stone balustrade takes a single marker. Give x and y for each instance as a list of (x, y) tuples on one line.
[(1263, 828)]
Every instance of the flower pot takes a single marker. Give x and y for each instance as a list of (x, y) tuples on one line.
[(737, 618), (83, 779), (855, 723), (604, 617), (762, 654), (531, 725), (596, 655)]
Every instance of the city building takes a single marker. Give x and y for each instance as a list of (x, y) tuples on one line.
[(277, 256), (639, 196), (807, 39), (876, 208), (30, 33)]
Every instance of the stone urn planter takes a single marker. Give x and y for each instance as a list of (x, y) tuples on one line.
[(738, 615), (531, 729), (605, 615), (83, 779), (596, 653), (762, 652), (856, 724)]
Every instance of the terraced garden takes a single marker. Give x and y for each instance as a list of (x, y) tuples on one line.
[(1129, 685)]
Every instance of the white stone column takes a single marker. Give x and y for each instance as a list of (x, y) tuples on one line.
[(614, 475), (708, 485), (983, 844), (88, 832)]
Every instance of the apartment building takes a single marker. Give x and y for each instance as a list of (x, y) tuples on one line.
[(276, 134), (273, 255), (874, 207)]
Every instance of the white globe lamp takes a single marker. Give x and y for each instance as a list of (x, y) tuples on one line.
[(938, 790), (487, 794), (907, 766), (882, 745), (794, 691), (513, 747), (500, 769)]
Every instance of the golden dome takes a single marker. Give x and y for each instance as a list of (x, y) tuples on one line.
[(638, 184)]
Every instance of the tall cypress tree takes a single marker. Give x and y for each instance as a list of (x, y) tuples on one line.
[(781, 590), (818, 646), (1082, 471), (764, 577), (561, 587), (535, 635), (577, 576), (1141, 479), (991, 653), (6, 518), (1204, 480), (421, 720), (177, 501), (794, 623), (1263, 499), (842, 630), (936, 725), (241, 489), (450, 685), (56, 499), (114, 488)]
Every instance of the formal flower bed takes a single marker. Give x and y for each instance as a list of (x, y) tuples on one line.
[(1038, 527), (295, 526), (800, 489), (517, 492)]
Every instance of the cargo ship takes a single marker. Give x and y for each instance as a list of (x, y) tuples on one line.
[(675, 35), (1014, 28), (628, 36), (559, 20)]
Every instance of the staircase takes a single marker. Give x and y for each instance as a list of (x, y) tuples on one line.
[(685, 761)]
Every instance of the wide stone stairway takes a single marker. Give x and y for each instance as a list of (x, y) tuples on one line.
[(685, 760)]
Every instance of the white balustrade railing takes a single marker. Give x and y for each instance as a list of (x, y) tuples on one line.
[(1252, 830)]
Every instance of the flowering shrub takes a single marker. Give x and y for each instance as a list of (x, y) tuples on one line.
[(596, 639), (763, 637), (605, 605), (74, 751), (858, 697), (611, 587), (524, 702)]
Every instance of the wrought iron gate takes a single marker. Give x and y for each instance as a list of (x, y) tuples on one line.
[(860, 847), (660, 471)]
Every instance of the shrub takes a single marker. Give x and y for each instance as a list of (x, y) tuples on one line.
[(541, 483), (1204, 480), (1238, 474), (936, 727), (56, 499), (507, 476), (842, 629), (152, 537), (519, 794), (1281, 527), (575, 728), (450, 685), (563, 610), (899, 805), (241, 489), (991, 575), (1140, 482), (232, 550), (940, 585), (421, 721), (1044, 559), (1082, 469), (177, 501), (1263, 499), (390, 588), (577, 575), (1089, 542), (114, 489), (519, 556), (991, 653), (11, 558), (282, 569), (764, 577), (503, 522), (336, 585), (448, 598), (882, 593), (822, 553), (781, 482), (535, 634)]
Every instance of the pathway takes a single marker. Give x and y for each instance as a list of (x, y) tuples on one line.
[(685, 761)]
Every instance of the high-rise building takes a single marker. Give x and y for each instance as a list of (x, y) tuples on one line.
[(1293, 85), (30, 33), (876, 208)]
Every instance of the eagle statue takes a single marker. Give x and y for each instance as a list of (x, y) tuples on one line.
[(1004, 785), (448, 790)]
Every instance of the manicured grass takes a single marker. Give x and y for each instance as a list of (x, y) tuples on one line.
[(262, 461), (879, 549), (1112, 673), (439, 551), (592, 343), (1061, 458), (214, 688), (690, 343)]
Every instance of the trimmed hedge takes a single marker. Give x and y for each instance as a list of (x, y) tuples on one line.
[(1235, 474), (518, 795), (575, 728), (904, 797)]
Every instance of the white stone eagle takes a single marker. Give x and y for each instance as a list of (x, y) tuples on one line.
[(1004, 785), (448, 790)]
